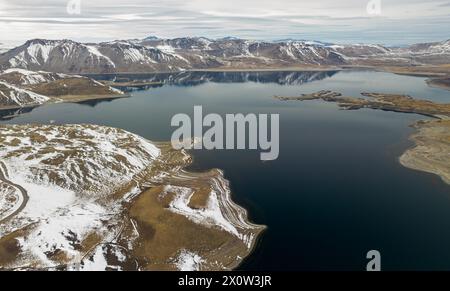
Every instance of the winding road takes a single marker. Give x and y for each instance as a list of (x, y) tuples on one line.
[(23, 192)]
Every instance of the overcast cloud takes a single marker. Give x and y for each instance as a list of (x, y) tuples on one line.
[(400, 21)]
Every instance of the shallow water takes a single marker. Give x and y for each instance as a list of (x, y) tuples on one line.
[(335, 192)]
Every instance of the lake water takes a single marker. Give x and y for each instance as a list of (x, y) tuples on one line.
[(335, 192)]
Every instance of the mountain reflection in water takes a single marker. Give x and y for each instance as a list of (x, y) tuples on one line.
[(187, 79)]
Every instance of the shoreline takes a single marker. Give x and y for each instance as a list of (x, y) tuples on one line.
[(235, 213), (225, 69), (130, 84), (433, 77), (431, 150), (440, 83), (81, 98), (422, 71), (67, 99), (262, 228)]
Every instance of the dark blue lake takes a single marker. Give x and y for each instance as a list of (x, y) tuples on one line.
[(337, 189)]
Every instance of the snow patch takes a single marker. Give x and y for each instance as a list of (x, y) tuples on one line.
[(211, 215), (96, 53), (20, 96), (188, 261)]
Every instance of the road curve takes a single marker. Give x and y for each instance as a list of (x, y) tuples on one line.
[(3, 178)]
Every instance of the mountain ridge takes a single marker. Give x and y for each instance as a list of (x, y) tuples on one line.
[(153, 54)]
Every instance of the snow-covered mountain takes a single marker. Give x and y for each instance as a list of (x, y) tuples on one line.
[(154, 54), (431, 53), (240, 53), (12, 96), (233, 50), (67, 56), (20, 87)]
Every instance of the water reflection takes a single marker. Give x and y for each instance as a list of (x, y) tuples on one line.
[(187, 79), (9, 114), (95, 102)]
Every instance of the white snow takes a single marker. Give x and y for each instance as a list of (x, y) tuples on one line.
[(188, 261), (18, 60), (69, 195), (211, 215), (39, 51), (96, 53), (99, 167), (134, 55), (28, 77), (64, 211), (171, 51), (98, 261), (20, 96)]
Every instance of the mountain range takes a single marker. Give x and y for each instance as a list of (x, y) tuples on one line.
[(154, 54)]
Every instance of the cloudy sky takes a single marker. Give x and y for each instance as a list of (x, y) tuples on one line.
[(393, 22)]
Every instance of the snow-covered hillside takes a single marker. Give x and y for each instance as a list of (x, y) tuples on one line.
[(12, 96), (84, 197), (69, 174), (442, 47), (21, 77), (21, 87)]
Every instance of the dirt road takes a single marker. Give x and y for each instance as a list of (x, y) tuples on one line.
[(23, 192)]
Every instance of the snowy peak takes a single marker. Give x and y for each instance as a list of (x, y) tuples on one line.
[(151, 37)]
